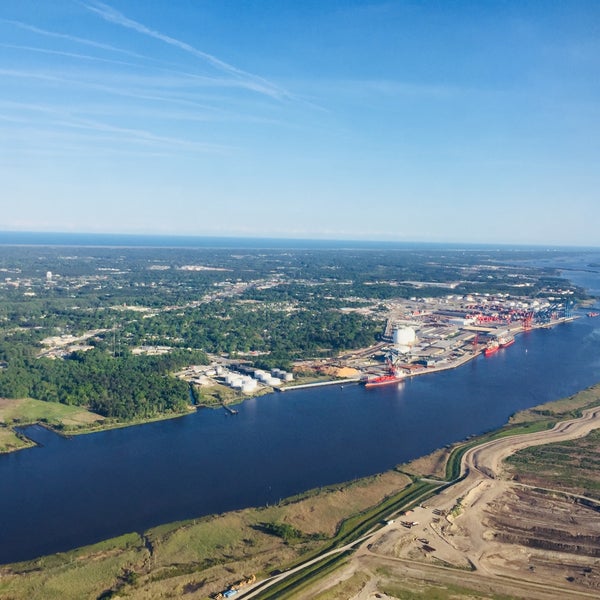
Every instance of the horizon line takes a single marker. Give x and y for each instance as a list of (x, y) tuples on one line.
[(275, 238)]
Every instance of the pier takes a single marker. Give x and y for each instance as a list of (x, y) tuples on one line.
[(303, 386)]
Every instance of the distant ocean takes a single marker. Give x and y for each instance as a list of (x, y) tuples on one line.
[(123, 240)]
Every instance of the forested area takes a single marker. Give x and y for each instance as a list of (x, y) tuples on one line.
[(280, 304), (228, 327), (123, 387)]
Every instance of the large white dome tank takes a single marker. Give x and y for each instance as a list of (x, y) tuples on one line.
[(404, 338)]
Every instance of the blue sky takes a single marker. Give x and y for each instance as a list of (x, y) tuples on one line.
[(441, 121)]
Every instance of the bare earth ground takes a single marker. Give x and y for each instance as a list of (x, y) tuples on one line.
[(495, 537)]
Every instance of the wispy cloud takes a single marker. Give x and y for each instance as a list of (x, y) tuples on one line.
[(76, 55), (141, 92), (139, 135), (70, 38), (55, 119), (86, 138), (254, 82)]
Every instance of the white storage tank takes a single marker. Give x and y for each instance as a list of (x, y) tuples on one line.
[(237, 383), (404, 338), (249, 387)]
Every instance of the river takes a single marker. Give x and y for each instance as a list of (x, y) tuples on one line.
[(70, 492)]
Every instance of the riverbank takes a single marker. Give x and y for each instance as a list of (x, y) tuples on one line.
[(64, 420), (201, 557), (21, 412)]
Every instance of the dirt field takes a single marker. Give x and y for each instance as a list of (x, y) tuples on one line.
[(490, 535)]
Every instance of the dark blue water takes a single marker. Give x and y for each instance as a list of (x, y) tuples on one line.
[(71, 492)]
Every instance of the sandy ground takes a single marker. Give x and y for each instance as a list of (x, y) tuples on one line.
[(491, 534)]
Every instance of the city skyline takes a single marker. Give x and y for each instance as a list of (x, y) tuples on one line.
[(471, 122)]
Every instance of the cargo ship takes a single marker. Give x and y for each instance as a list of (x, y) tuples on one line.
[(506, 340), (492, 347), (394, 377)]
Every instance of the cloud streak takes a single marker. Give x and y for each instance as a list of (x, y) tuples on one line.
[(254, 82), (70, 38), (76, 55), (48, 133), (117, 89)]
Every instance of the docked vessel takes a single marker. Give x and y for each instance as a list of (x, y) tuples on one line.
[(506, 340), (383, 380), (395, 376), (492, 347)]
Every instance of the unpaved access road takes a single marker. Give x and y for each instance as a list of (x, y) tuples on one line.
[(455, 541)]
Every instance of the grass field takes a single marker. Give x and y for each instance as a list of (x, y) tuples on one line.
[(24, 411), (10, 441), (565, 408), (27, 410), (83, 573)]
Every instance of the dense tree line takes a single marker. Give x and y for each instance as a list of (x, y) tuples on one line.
[(227, 327), (124, 387)]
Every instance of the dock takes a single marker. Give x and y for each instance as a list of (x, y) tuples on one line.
[(231, 411), (304, 386)]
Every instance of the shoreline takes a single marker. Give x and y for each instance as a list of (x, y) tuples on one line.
[(537, 421), (469, 356), (86, 430)]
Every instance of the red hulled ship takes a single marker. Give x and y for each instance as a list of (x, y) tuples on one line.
[(492, 347)]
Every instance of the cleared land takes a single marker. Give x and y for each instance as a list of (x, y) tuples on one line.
[(24, 411)]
